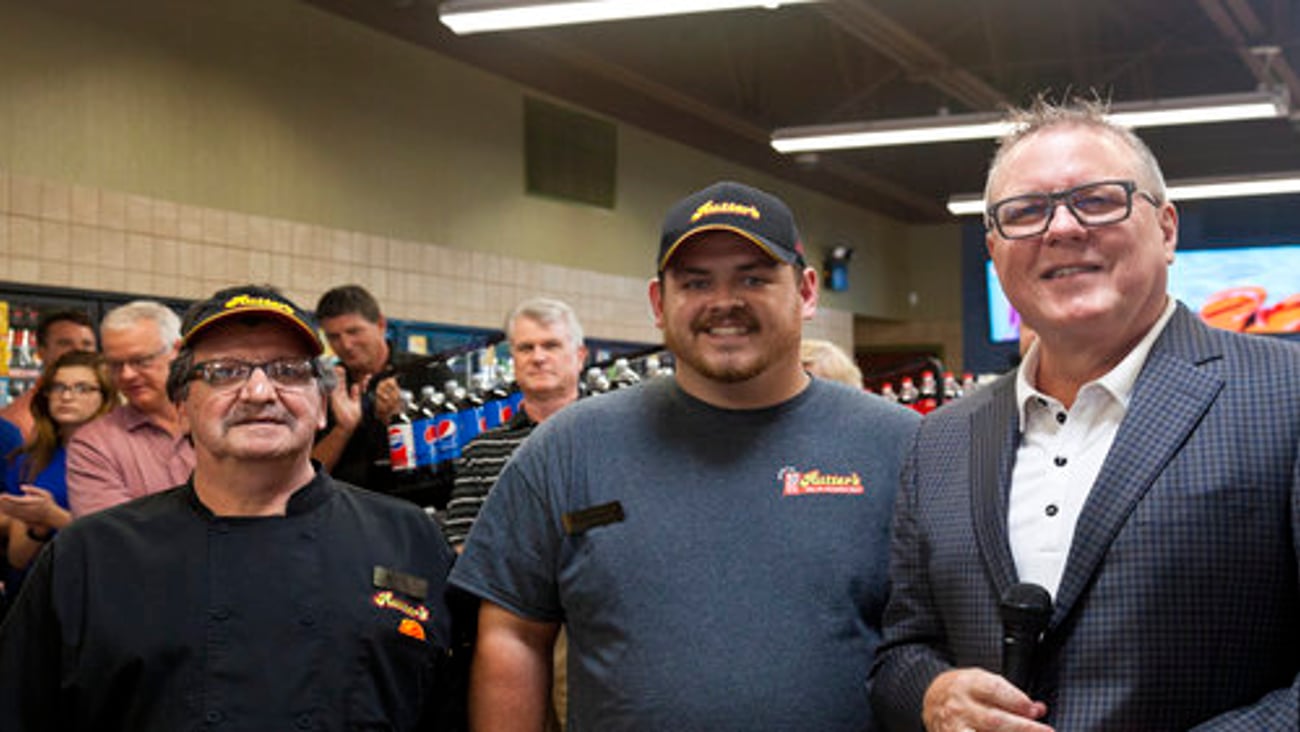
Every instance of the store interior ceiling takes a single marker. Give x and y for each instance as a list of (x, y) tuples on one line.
[(722, 82)]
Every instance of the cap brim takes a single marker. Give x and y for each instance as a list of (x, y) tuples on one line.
[(304, 330), (757, 241)]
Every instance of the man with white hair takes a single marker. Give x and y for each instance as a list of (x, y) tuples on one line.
[(138, 448)]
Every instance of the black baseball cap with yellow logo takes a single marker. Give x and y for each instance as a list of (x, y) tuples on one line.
[(756, 216), (244, 301)]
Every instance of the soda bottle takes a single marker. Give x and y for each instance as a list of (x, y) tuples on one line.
[(887, 391), (968, 383), (927, 399), (424, 424), (595, 381), (623, 375), (951, 389), (401, 438), (447, 430), (907, 393), (469, 411)]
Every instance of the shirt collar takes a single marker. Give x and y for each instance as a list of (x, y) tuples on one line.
[(1118, 382)]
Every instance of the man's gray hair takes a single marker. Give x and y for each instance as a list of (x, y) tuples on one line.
[(126, 316), (1044, 114), (547, 311)]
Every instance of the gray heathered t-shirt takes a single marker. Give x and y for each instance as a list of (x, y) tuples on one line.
[(742, 587)]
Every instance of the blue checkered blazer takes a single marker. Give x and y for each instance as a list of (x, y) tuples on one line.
[(1180, 601)]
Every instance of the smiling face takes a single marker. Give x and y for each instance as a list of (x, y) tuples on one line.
[(733, 316), (257, 419), (359, 343), (1100, 286), (64, 336)]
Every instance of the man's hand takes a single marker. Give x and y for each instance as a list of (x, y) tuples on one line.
[(345, 401), (388, 399), (975, 700)]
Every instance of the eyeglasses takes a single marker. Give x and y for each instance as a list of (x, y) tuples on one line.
[(1092, 204), (57, 390), (139, 363), (229, 373)]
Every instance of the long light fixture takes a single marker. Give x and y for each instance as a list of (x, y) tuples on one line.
[(1187, 190), (1264, 104), (480, 16)]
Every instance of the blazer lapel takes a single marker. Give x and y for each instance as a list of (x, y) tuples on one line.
[(994, 438), (1170, 397)]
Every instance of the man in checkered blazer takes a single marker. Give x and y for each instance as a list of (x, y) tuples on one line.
[(1140, 466)]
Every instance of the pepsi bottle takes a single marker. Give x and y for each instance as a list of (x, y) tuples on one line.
[(401, 438)]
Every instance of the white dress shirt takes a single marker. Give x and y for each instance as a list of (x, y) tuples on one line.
[(1061, 452)]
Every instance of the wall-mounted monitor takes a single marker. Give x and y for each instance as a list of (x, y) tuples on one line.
[(1250, 288)]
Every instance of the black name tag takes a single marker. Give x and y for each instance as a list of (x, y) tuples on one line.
[(579, 522), (407, 584)]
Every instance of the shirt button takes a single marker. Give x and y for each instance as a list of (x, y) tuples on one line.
[(307, 620), (1060, 417), (1051, 509), (1059, 461), (1041, 401), (213, 716), (303, 721), (220, 613)]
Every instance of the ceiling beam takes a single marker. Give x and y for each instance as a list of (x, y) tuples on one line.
[(1238, 23), (922, 61)]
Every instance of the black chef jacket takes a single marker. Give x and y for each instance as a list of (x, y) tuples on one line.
[(157, 615)]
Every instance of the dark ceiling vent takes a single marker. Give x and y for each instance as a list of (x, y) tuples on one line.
[(569, 155)]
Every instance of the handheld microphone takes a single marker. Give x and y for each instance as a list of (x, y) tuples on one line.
[(1026, 609)]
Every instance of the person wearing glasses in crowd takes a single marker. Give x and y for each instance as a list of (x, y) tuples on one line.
[(74, 389), (261, 594), (1138, 466), (57, 332), (138, 448), (714, 543)]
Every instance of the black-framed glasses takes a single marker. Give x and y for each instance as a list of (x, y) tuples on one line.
[(1099, 203), (56, 390), (138, 363), (229, 373)]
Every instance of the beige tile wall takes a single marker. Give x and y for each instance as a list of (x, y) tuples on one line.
[(63, 235)]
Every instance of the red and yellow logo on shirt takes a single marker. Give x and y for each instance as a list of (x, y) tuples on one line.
[(388, 600), (817, 483)]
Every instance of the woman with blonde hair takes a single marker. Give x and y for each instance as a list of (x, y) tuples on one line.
[(829, 361)]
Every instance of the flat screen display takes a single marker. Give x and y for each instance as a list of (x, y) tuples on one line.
[(1253, 289)]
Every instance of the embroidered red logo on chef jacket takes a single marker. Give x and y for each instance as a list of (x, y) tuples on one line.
[(816, 483)]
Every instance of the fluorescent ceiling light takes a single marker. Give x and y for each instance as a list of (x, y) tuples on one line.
[(1187, 190), (949, 128), (480, 16)]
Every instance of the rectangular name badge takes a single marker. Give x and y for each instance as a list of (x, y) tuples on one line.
[(407, 584), (580, 522)]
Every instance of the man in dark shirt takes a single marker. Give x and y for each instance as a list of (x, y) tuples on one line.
[(354, 445), (260, 595)]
